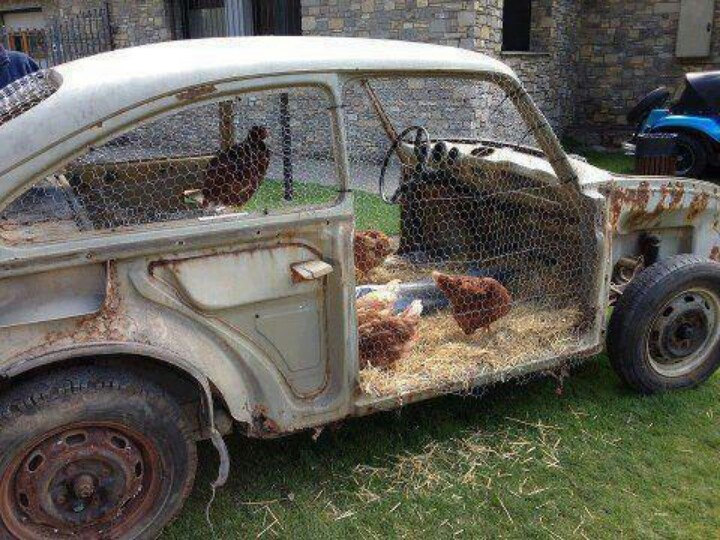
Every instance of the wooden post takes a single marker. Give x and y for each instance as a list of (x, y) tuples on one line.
[(286, 136), (227, 125)]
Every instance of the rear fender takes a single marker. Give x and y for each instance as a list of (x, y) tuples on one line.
[(706, 127)]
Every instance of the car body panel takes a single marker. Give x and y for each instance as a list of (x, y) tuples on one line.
[(664, 120), (219, 294)]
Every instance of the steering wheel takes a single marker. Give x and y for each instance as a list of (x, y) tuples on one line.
[(422, 150)]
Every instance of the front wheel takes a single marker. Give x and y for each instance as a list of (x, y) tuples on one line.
[(91, 453), (664, 333), (692, 158)]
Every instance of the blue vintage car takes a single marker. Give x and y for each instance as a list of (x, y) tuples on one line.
[(693, 114)]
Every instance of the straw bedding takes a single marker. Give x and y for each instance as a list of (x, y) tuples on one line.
[(394, 269), (443, 355)]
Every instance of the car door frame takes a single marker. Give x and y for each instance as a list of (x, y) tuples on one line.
[(192, 235)]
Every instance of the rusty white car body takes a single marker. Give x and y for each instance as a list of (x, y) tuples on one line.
[(248, 315)]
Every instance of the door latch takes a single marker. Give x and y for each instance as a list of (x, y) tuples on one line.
[(310, 270)]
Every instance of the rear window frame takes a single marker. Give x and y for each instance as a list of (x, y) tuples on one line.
[(25, 93)]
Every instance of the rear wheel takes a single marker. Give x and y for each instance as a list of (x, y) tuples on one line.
[(91, 453), (664, 333), (692, 159)]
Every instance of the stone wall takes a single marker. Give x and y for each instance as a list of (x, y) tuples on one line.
[(549, 70), (434, 21), (590, 60), (628, 49), (10, 5), (475, 25)]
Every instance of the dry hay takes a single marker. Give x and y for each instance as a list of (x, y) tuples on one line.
[(394, 268), (443, 355)]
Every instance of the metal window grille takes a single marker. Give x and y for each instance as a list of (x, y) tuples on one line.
[(63, 39), (473, 258), (260, 153), (80, 35)]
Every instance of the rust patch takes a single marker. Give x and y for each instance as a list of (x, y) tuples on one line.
[(262, 425), (698, 205), (634, 199), (715, 254), (671, 196), (677, 196), (196, 92), (109, 324)]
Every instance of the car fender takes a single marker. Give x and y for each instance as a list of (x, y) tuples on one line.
[(58, 355), (708, 126)]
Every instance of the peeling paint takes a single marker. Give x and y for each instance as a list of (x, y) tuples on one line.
[(671, 197), (196, 92), (698, 205), (109, 324), (635, 199)]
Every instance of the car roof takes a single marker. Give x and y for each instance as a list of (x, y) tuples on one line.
[(220, 58), (97, 87), (707, 86)]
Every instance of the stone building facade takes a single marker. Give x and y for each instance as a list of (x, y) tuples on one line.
[(587, 63), (627, 48)]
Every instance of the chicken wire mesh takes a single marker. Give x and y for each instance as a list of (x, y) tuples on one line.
[(258, 153), (23, 94), (471, 255)]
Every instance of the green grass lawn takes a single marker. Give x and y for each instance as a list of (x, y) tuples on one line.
[(520, 462), (614, 162)]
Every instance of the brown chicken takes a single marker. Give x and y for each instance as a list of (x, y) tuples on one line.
[(476, 302), (378, 303), (371, 249), (385, 338), (234, 175)]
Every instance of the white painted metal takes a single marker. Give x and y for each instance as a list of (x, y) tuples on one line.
[(97, 88), (695, 28)]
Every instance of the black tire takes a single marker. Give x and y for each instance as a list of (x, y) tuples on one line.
[(655, 317), (692, 156), (651, 101), (114, 449)]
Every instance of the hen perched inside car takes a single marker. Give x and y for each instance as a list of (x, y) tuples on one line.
[(385, 338), (371, 249), (234, 175), (385, 335), (477, 302)]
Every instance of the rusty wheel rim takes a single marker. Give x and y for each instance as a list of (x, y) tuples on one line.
[(684, 332), (85, 480)]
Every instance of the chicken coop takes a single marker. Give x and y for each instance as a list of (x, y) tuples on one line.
[(487, 264), (471, 255)]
